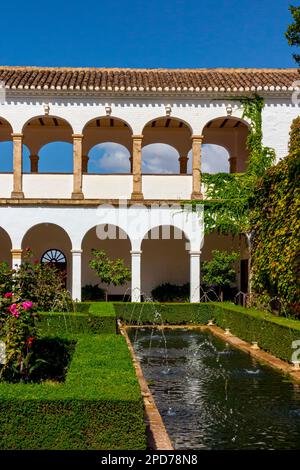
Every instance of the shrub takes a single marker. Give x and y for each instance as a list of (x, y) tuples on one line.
[(99, 406), (18, 331), (90, 292), (109, 271), (171, 293), (43, 284), (6, 278)]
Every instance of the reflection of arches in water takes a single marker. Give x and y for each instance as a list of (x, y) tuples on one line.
[(56, 258)]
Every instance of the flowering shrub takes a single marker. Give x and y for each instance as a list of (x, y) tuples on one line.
[(41, 283), (18, 331)]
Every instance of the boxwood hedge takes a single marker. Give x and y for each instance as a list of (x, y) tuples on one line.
[(99, 406)]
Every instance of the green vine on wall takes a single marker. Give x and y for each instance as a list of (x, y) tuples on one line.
[(228, 196)]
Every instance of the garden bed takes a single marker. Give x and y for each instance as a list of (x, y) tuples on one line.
[(98, 406)]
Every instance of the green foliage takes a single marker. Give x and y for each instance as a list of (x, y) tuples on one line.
[(90, 292), (227, 195), (109, 271), (171, 293), (6, 278), (43, 284), (18, 331), (220, 271), (163, 313), (89, 317), (293, 31), (275, 220), (273, 334), (99, 406)]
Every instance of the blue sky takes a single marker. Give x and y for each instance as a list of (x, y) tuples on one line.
[(160, 33)]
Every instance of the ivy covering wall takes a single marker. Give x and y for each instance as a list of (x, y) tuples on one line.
[(228, 196), (275, 221)]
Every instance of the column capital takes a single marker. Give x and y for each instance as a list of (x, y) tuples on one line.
[(137, 136), (195, 252), (197, 137), (17, 135), (136, 252), (77, 252), (16, 251), (77, 136)]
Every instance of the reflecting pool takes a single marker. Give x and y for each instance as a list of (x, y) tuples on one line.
[(213, 396)]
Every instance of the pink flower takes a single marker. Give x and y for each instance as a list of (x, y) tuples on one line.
[(26, 305), (8, 294), (13, 310)]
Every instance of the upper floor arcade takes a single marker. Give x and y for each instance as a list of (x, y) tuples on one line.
[(114, 134)]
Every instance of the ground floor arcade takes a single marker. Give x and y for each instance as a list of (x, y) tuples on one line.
[(162, 245)]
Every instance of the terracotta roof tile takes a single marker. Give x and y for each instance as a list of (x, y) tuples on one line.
[(180, 80)]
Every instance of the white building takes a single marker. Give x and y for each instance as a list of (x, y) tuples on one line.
[(185, 109)]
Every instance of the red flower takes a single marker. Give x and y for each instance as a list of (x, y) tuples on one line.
[(8, 295), (30, 341)]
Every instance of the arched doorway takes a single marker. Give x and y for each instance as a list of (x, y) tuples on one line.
[(165, 259), (56, 257), (116, 245), (41, 239)]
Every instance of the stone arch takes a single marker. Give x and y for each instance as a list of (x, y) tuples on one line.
[(5, 246), (44, 236), (105, 130), (40, 131), (171, 131), (159, 265), (116, 243), (231, 133)]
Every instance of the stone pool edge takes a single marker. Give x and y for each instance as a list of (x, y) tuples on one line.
[(157, 434)]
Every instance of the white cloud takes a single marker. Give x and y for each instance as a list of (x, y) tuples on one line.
[(109, 158), (160, 158), (214, 159)]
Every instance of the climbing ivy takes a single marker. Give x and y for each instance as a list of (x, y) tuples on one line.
[(227, 195), (275, 222)]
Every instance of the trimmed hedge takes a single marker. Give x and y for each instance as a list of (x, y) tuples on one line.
[(98, 407), (273, 334), (158, 313), (89, 317)]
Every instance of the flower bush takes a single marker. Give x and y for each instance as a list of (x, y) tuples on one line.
[(18, 331)]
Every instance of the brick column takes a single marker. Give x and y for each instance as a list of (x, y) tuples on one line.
[(137, 167), (232, 164), (34, 163), (77, 166), (196, 151), (183, 161), (17, 191), (85, 161)]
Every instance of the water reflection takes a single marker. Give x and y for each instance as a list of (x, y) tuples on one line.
[(212, 396)]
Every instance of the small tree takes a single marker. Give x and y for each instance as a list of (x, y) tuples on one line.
[(293, 31), (220, 270), (109, 271)]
